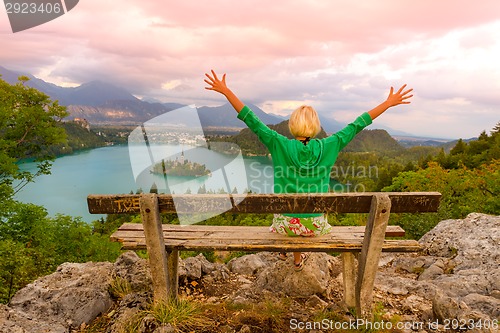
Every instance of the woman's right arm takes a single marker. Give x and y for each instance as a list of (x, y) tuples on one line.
[(395, 98), (220, 86), (266, 135)]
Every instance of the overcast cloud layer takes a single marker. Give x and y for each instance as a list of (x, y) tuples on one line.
[(339, 56)]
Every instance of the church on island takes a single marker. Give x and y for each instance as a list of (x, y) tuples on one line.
[(181, 166)]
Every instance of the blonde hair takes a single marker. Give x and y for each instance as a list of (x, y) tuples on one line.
[(304, 122)]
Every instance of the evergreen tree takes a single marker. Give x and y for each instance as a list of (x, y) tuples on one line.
[(202, 189), (496, 129), (153, 189), (459, 148)]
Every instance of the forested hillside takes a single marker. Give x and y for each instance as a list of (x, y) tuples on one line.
[(367, 140), (376, 140), (468, 178), (78, 138)]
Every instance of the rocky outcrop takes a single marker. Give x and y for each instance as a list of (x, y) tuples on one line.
[(276, 276), (78, 293), (15, 321), (74, 294), (458, 277), (101, 114)]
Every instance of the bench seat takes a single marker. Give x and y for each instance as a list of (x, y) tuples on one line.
[(245, 238)]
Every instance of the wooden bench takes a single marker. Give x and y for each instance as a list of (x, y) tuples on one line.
[(164, 241)]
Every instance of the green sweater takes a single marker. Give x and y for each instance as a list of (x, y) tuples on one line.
[(300, 168)]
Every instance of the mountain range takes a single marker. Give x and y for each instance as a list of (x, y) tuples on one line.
[(103, 103)]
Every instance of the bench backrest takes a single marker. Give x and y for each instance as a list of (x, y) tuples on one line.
[(401, 202)]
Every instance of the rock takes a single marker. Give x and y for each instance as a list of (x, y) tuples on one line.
[(207, 267), (314, 279), (128, 308), (135, 270), (246, 265), (244, 280), (74, 294), (190, 268), (433, 271), (445, 307), (386, 258), (392, 284), (471, 242), (193, 268), (165, 329), (465, 282), (457, 278), (122, 321), (414, 265), (415, 304), (485, 304), (226, 329), (245, 329), (495, 293), (240, 300), (220, 273), (148, 324), (14, 321), (315, 302), (460, 272)]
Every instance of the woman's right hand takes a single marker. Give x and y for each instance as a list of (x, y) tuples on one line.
[(399, 97)]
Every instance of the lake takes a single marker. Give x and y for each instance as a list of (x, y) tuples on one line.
[(108, 170)]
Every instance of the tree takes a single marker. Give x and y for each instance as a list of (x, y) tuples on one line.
[(459, 148), (32, 244), (202, 189), (154, 188), (463, 191), (496, 130), (29, 126)]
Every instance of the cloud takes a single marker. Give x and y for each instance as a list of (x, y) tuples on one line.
[(338, 55)]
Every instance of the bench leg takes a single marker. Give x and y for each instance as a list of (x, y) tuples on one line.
[(156, 246), (349, 275), (172, 274), (370, 254)]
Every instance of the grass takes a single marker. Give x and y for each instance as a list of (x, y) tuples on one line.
[(183, 315), (119, 288), (269, 315), (272, 313)]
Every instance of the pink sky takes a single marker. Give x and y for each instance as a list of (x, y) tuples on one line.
[(339, 56)]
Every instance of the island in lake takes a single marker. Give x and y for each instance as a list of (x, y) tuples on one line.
[(180, 167)]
